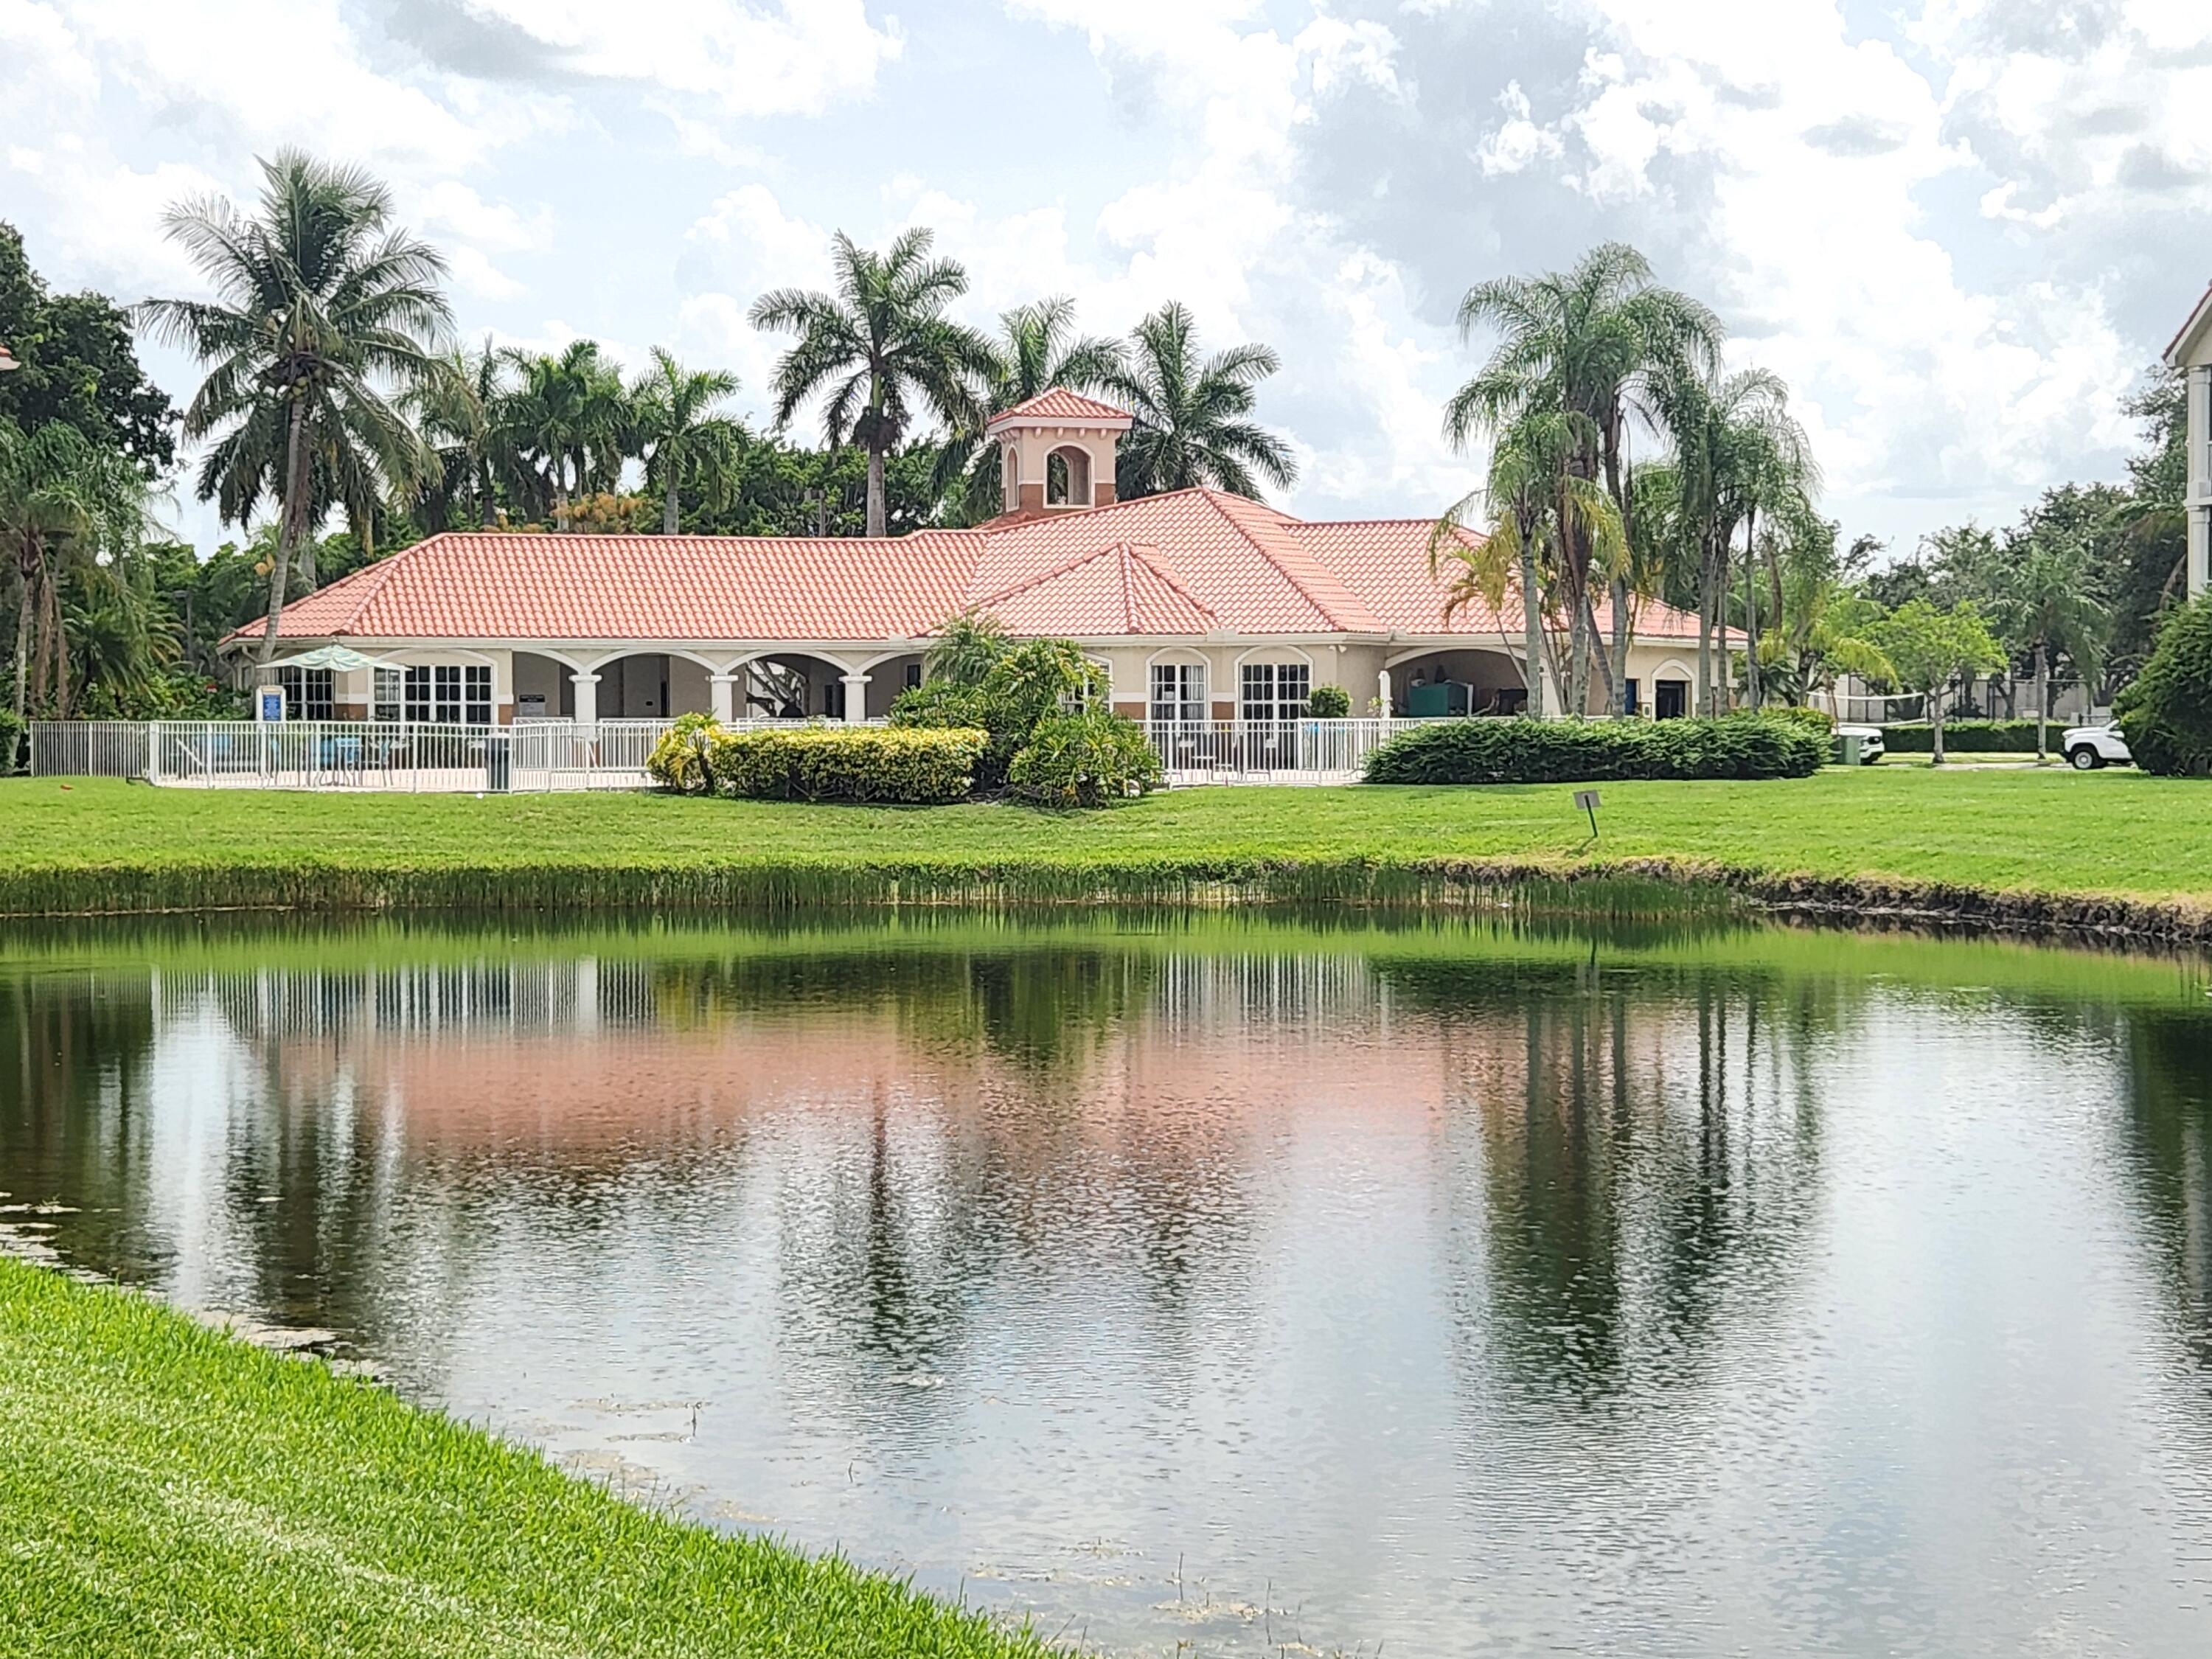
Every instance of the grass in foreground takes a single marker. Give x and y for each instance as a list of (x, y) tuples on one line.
[(2118, 832), (164, 1490)]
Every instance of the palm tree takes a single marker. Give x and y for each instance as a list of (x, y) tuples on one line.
[(323, 309), (1520, 506), (684, 440), (1736, 451), (453, 408), (1590, 343), (1032, 354), (61, 499), (569, 420), (1194, 422), (880, 350), (2047, 605)]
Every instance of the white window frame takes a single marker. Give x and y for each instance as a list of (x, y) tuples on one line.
[(387, 695), (1178, 693), (1274, 690)]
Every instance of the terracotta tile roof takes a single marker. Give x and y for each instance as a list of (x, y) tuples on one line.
[(1233, 556), (1059, 403), (1121, 589), (1192, 563), (1386, 561), (489, 586)]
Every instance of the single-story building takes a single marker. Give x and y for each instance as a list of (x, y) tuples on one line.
[(1200, 604), (2192, 353)]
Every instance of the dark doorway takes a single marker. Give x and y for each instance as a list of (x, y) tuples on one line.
[(1671, 699)]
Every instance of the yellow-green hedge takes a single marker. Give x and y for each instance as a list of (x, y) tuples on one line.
[(819, 762)]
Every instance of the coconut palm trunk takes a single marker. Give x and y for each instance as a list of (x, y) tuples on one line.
[(670, 508), (1752, 689), (288, 524), (1532, 626)]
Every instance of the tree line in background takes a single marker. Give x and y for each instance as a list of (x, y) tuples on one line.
[(1626, 464)]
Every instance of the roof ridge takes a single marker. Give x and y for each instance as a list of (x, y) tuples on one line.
[(1216, 498), (1156, 561), (1042, 576), (1090, 407), (381, 569)]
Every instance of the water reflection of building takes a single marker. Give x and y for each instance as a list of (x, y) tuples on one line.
[(1617, 1161)]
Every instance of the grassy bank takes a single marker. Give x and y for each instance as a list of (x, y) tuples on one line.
[(208, 1497), (2117, 837)]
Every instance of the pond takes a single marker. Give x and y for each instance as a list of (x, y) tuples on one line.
[(1445, 1287)]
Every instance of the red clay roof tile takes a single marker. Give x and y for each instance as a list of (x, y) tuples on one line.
[(1195, 561), (1059, 403)]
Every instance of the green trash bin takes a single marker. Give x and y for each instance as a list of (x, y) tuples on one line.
[(1847, 743)]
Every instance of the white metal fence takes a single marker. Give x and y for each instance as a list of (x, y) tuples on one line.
[(1270, 751), (370, 755), (561, 755)]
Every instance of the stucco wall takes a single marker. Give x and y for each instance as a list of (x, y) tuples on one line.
[(542, 676)]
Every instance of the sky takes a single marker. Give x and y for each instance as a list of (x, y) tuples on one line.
[(1962, 230)]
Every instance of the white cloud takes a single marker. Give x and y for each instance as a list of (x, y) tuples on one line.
[(798, 57), (1939, 226), (1518, 141)]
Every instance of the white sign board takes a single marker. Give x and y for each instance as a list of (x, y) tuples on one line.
[(269, 703)]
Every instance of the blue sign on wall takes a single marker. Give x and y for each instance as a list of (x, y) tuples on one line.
[(268, 702)]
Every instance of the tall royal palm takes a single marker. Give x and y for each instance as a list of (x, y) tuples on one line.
[(62, 498), (1587, 343), (1194, 414), (324, 313), (567, 420), (879, 351), (686, 441), (1034, 352)]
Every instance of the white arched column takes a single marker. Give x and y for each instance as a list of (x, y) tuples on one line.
[(1382, 692), (856, 698), (588, 697), (724, 688)]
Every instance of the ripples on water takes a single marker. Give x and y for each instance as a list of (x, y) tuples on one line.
[(1452, 1287)]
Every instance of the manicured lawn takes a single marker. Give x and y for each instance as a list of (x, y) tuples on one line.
[(2118, 832), (165, 1490)]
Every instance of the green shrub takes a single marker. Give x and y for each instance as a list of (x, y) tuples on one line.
[(818, 762), (1584, 751), (1026, 683), (1967, 736), (1085, 759), (11, 741), (2166, 715), (679, 761), (1329, 702), (1820, 724), (939, 706)]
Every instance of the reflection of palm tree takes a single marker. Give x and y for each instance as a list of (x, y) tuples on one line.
[(1615, 1226), (2169, 1150), (75, 1056)]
